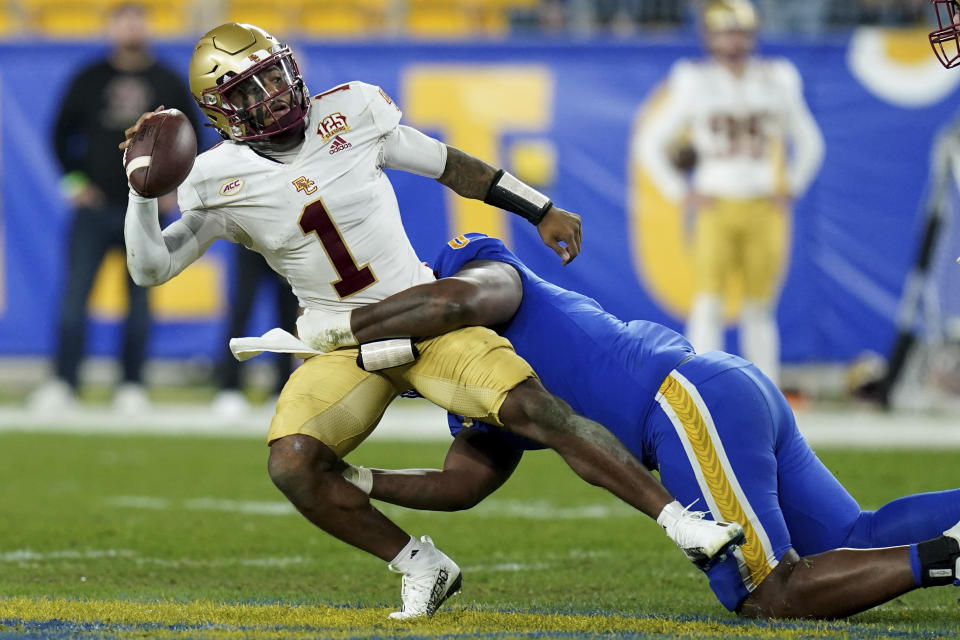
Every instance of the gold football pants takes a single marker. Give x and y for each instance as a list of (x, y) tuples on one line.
[(329, 397), (740, 236)]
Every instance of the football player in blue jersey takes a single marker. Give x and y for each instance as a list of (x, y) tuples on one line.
[(718, 430)]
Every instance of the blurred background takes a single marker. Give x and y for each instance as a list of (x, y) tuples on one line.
[(557, 92)]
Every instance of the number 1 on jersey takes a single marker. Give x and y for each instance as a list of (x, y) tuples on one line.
[(353, 279)]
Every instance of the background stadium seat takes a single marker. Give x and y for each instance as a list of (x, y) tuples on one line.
[(277, 17), (451, 18), (343, 20), (66, 18)]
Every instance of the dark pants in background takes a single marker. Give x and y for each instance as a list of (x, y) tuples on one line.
[(249, 271), (93, 233)]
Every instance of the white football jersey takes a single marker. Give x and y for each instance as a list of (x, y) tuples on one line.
[(328, 221), (739, 126)]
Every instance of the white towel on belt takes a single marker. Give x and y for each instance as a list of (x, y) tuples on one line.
[(274, 341)]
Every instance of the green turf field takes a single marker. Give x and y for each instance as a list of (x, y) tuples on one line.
[(147, 537)]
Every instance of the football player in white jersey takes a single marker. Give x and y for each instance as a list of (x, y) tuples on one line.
[(300, 180), (740, 112)]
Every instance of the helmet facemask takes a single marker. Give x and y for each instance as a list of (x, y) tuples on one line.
[(946, 39), (267, 102)]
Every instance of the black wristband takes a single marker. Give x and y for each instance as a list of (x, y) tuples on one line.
[(509, 194)]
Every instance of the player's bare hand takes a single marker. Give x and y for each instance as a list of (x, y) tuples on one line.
[(696, 201), (132, 131), (561, 231), (783, 202), (88, 197)]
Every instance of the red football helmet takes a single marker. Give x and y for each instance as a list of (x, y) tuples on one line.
[(946, 39)]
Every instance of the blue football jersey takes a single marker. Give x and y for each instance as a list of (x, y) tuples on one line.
[(607, 370)]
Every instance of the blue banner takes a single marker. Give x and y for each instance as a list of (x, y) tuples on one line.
[(561, 115)]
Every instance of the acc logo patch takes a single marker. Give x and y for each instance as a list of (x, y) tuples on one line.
[(231, 187), (331, 125)]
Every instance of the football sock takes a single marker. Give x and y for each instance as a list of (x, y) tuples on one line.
[(408, 556), (670, 514), (906, 520), (938, 561)]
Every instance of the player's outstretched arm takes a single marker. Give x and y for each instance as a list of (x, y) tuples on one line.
[(473, 178), (477, 464), (410, 150)]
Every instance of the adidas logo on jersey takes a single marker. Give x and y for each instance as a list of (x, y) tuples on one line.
[(339, 144)]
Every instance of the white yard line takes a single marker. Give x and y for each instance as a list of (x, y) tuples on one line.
[(508, 567), (248, 507), (31, 557)]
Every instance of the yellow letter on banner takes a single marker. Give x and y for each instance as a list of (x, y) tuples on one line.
[(661, 251), (472, 106), (195, 294)]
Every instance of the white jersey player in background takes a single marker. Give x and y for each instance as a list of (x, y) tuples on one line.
[(740, 113), (300, 180)]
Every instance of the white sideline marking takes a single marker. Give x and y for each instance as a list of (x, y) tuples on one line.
[(404, 420), (422, 421), (527, 510)]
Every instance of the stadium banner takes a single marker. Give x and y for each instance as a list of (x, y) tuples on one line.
[(565, 117)]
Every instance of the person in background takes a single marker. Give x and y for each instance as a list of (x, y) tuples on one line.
[(741, 112), (102, 100), (250, 271)]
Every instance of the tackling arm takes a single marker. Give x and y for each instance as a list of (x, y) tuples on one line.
[(477, 464), (482, 293)]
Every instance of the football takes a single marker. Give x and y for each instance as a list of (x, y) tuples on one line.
[(161, 154)]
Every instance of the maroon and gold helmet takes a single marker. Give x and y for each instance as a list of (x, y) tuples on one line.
[(247, 83), (945, 40)]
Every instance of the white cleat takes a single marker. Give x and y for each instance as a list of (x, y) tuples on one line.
[(435, 578), (705, 542), (53, 397), (131, 399), (230, 404)]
